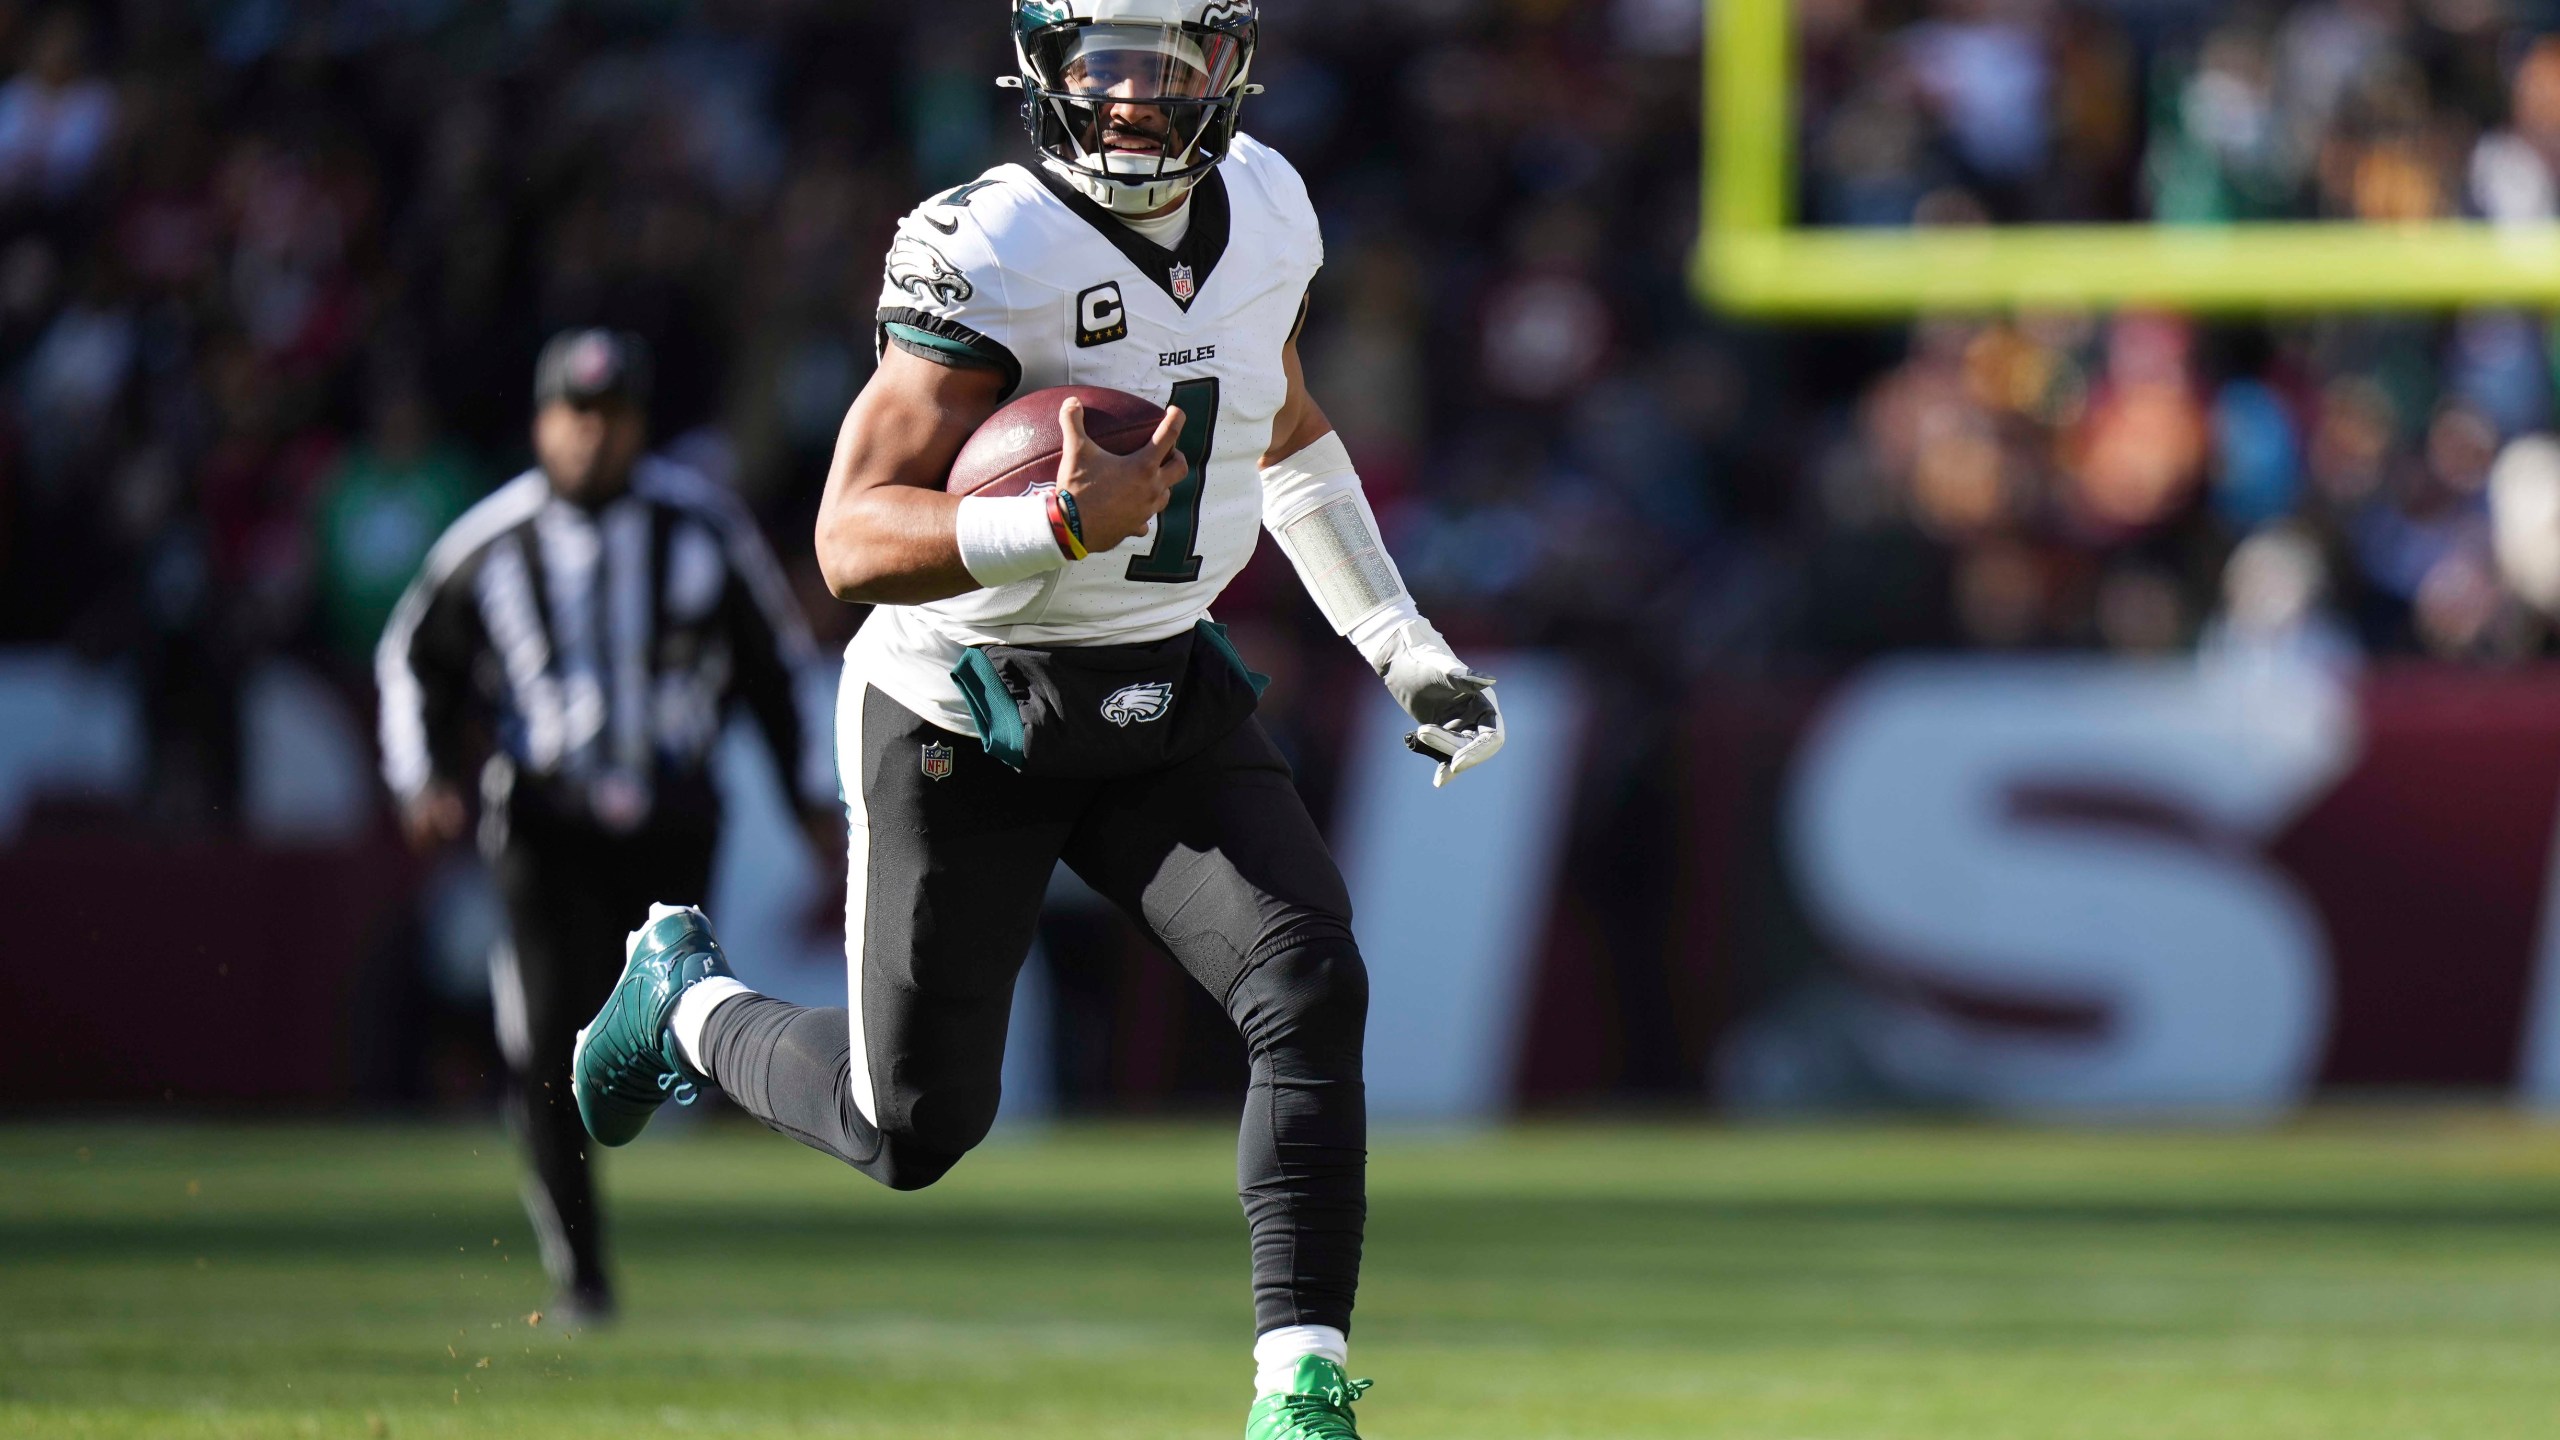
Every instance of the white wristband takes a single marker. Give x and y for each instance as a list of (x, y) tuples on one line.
[(1007, 538)]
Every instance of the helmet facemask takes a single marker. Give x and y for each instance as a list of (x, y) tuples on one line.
[(1133, 114)]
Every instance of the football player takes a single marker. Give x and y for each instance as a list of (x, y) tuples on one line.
[(1155, 249)]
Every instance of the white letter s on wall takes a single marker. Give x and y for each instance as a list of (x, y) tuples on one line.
[(1906, 833)]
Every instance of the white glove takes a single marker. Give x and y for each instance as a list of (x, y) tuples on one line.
[(1460, 725)]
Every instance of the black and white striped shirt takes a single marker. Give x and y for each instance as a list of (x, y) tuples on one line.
[(605, 645)]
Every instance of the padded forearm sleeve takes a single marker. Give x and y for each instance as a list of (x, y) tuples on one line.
[(1312, 505)]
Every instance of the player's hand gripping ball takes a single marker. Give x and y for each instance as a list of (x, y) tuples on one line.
[(1110, 450)]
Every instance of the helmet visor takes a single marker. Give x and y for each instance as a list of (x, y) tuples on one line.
[(1133, 88)]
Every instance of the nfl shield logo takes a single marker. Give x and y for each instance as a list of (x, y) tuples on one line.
[(937, 761), (1182, 282)]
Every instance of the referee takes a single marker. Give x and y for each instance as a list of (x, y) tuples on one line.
[(596, 619)]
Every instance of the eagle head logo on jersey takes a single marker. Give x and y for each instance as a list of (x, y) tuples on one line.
[(920, 270), (1137, 704), (1133, 101)]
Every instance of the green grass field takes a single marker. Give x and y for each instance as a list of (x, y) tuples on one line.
[(2355, 1277)]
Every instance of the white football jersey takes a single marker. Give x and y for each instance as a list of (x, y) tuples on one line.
[(1022, 272)]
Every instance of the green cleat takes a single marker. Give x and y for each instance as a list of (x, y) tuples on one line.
[(627, 1063), (1316, 1407)]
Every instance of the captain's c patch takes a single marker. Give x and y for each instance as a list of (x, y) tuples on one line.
[(1101, 316)]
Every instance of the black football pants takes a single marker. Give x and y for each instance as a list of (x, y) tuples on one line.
[(951, 853), (572, 893)]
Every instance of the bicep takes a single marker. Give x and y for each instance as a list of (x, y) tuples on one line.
[(1301, 421), (909, 422), (885, 527)]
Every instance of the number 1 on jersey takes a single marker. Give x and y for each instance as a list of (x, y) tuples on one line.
[(1169, 561)]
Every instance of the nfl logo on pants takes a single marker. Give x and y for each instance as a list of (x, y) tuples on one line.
[(937, 761)]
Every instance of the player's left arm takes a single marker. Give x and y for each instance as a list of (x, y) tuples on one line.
[(1313, 505)]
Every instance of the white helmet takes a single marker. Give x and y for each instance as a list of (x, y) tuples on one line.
[(1132, 101)]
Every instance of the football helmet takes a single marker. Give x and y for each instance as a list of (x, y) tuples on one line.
[(1133, 101)]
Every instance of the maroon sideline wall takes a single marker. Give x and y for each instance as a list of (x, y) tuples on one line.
[(149, 974)]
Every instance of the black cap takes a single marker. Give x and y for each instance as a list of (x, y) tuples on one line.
[(587, 366)]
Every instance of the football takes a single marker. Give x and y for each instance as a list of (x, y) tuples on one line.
[(1018, 445)]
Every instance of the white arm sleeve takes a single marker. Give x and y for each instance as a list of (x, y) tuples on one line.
[(1312, 505)]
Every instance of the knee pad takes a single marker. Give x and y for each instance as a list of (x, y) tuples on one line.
[(1311, 993), (920, 1145), (905, 1165)]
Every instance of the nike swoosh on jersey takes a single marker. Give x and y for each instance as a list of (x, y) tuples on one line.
[(947, 228)]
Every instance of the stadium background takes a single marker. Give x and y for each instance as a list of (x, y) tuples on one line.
[(1836, 631), (1918, 718)]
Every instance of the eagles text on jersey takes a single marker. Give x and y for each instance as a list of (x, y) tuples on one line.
[(1020, 272)]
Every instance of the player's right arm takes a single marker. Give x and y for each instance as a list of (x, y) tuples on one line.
[(889, 535), (951, 329)]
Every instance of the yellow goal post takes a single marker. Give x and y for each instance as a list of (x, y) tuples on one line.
[(1752, 260)]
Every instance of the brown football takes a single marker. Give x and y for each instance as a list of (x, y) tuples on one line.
[(1018, 445)]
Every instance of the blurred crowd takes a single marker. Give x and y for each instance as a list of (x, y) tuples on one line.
[(273, 272), (2145, 482), (2183, 111)]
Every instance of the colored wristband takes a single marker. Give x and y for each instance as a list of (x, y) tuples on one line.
[(1075, 521), (1063, 529)]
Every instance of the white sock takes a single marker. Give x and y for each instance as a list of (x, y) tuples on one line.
[(1277, 1352), (693, 1011)]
